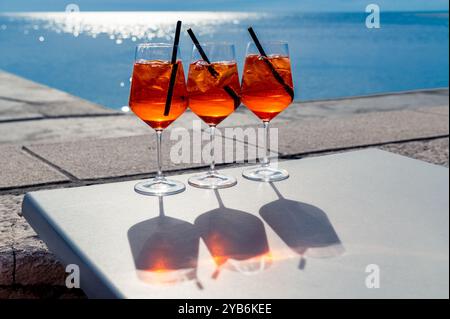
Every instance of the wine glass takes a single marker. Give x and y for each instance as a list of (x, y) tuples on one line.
[(213, 88), (149, 93), (267, 89)]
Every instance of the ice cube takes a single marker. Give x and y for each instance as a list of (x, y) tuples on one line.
[(202, 77), (280, 62)]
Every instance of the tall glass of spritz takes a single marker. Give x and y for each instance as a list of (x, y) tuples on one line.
[(267, 89), (150, 84), (213, 87)]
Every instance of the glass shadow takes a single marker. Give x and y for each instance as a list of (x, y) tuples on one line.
[(165, 249), (305, 228), (235, 239)]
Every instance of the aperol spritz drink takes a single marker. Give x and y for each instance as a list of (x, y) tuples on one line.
[(267, 89), (207, 97), (148, 95), (214, 93), (261, 92)]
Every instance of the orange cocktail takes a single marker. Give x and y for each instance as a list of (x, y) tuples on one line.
[(148, 93), (213, 87), (158, 96), (267, 89), (262, 93), (206, 85)]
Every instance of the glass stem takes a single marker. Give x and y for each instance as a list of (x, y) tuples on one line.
[(159, 174), (212, 165), (266, 160)]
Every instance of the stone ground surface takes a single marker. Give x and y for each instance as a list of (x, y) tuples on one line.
[(50, 139), (433, 151)]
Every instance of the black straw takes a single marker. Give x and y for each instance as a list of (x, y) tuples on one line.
[(277, 75), (212, 71), (174, 63), (202, 53)]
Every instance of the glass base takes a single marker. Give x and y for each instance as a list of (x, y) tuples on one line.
[(212, 180), (265, 174), (159, 187)]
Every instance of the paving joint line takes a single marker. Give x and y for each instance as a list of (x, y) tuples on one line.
[(432, 91), (54, 166), (60, 117), (340, 149)]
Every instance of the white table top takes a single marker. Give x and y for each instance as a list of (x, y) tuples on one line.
[(332, 218)]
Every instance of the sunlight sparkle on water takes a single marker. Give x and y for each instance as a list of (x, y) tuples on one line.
[(124, 25)]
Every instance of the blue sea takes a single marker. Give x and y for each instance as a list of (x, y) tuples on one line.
[(90, 54)]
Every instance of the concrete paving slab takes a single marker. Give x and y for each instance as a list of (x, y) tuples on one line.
[(367, 104), (73, 106), (37, 98), (70, 129), (102, 158), (441, 110), (358, 130), (20, 169), (435, 151), (12, 110)]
